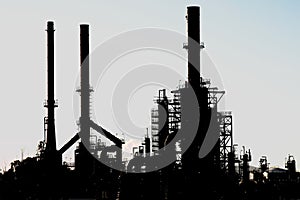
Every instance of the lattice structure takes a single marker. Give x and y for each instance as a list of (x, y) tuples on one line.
[(214, 95), (165, 119), (154, 129), (226, 140), (175, 112)]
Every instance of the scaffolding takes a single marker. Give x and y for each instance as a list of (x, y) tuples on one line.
[(154, 130), (175, 112), (226, 140)]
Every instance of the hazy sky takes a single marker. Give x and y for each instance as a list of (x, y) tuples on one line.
[(254, 45)]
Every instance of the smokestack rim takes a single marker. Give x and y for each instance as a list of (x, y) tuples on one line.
[(50, 25), (84, 29), (193, 7)]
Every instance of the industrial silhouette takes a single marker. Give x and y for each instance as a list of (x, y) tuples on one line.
[(221, 174)]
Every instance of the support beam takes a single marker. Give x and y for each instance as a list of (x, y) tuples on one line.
[(118, 142), (69, 144)]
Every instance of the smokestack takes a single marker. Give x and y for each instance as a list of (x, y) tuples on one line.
[(193, 22), (50, 104), (84, 81)]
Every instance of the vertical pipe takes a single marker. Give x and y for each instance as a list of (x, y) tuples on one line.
[(51, 140), (193, 21), (84, 81)]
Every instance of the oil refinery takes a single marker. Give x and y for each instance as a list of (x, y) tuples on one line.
[(187, 117)]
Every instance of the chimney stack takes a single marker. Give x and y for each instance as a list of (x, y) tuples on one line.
[(50, 103), (193, 22), (84, 81)]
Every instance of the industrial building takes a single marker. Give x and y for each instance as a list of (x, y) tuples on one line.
[(181, 125)]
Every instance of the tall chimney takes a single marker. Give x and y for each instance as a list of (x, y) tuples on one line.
[(84, 81), (193, 22), (50, 104)]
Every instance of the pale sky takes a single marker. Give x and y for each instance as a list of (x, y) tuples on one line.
[(254, 45)]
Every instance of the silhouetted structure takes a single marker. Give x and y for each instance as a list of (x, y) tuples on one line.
[(50, 103), (192, 108)]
